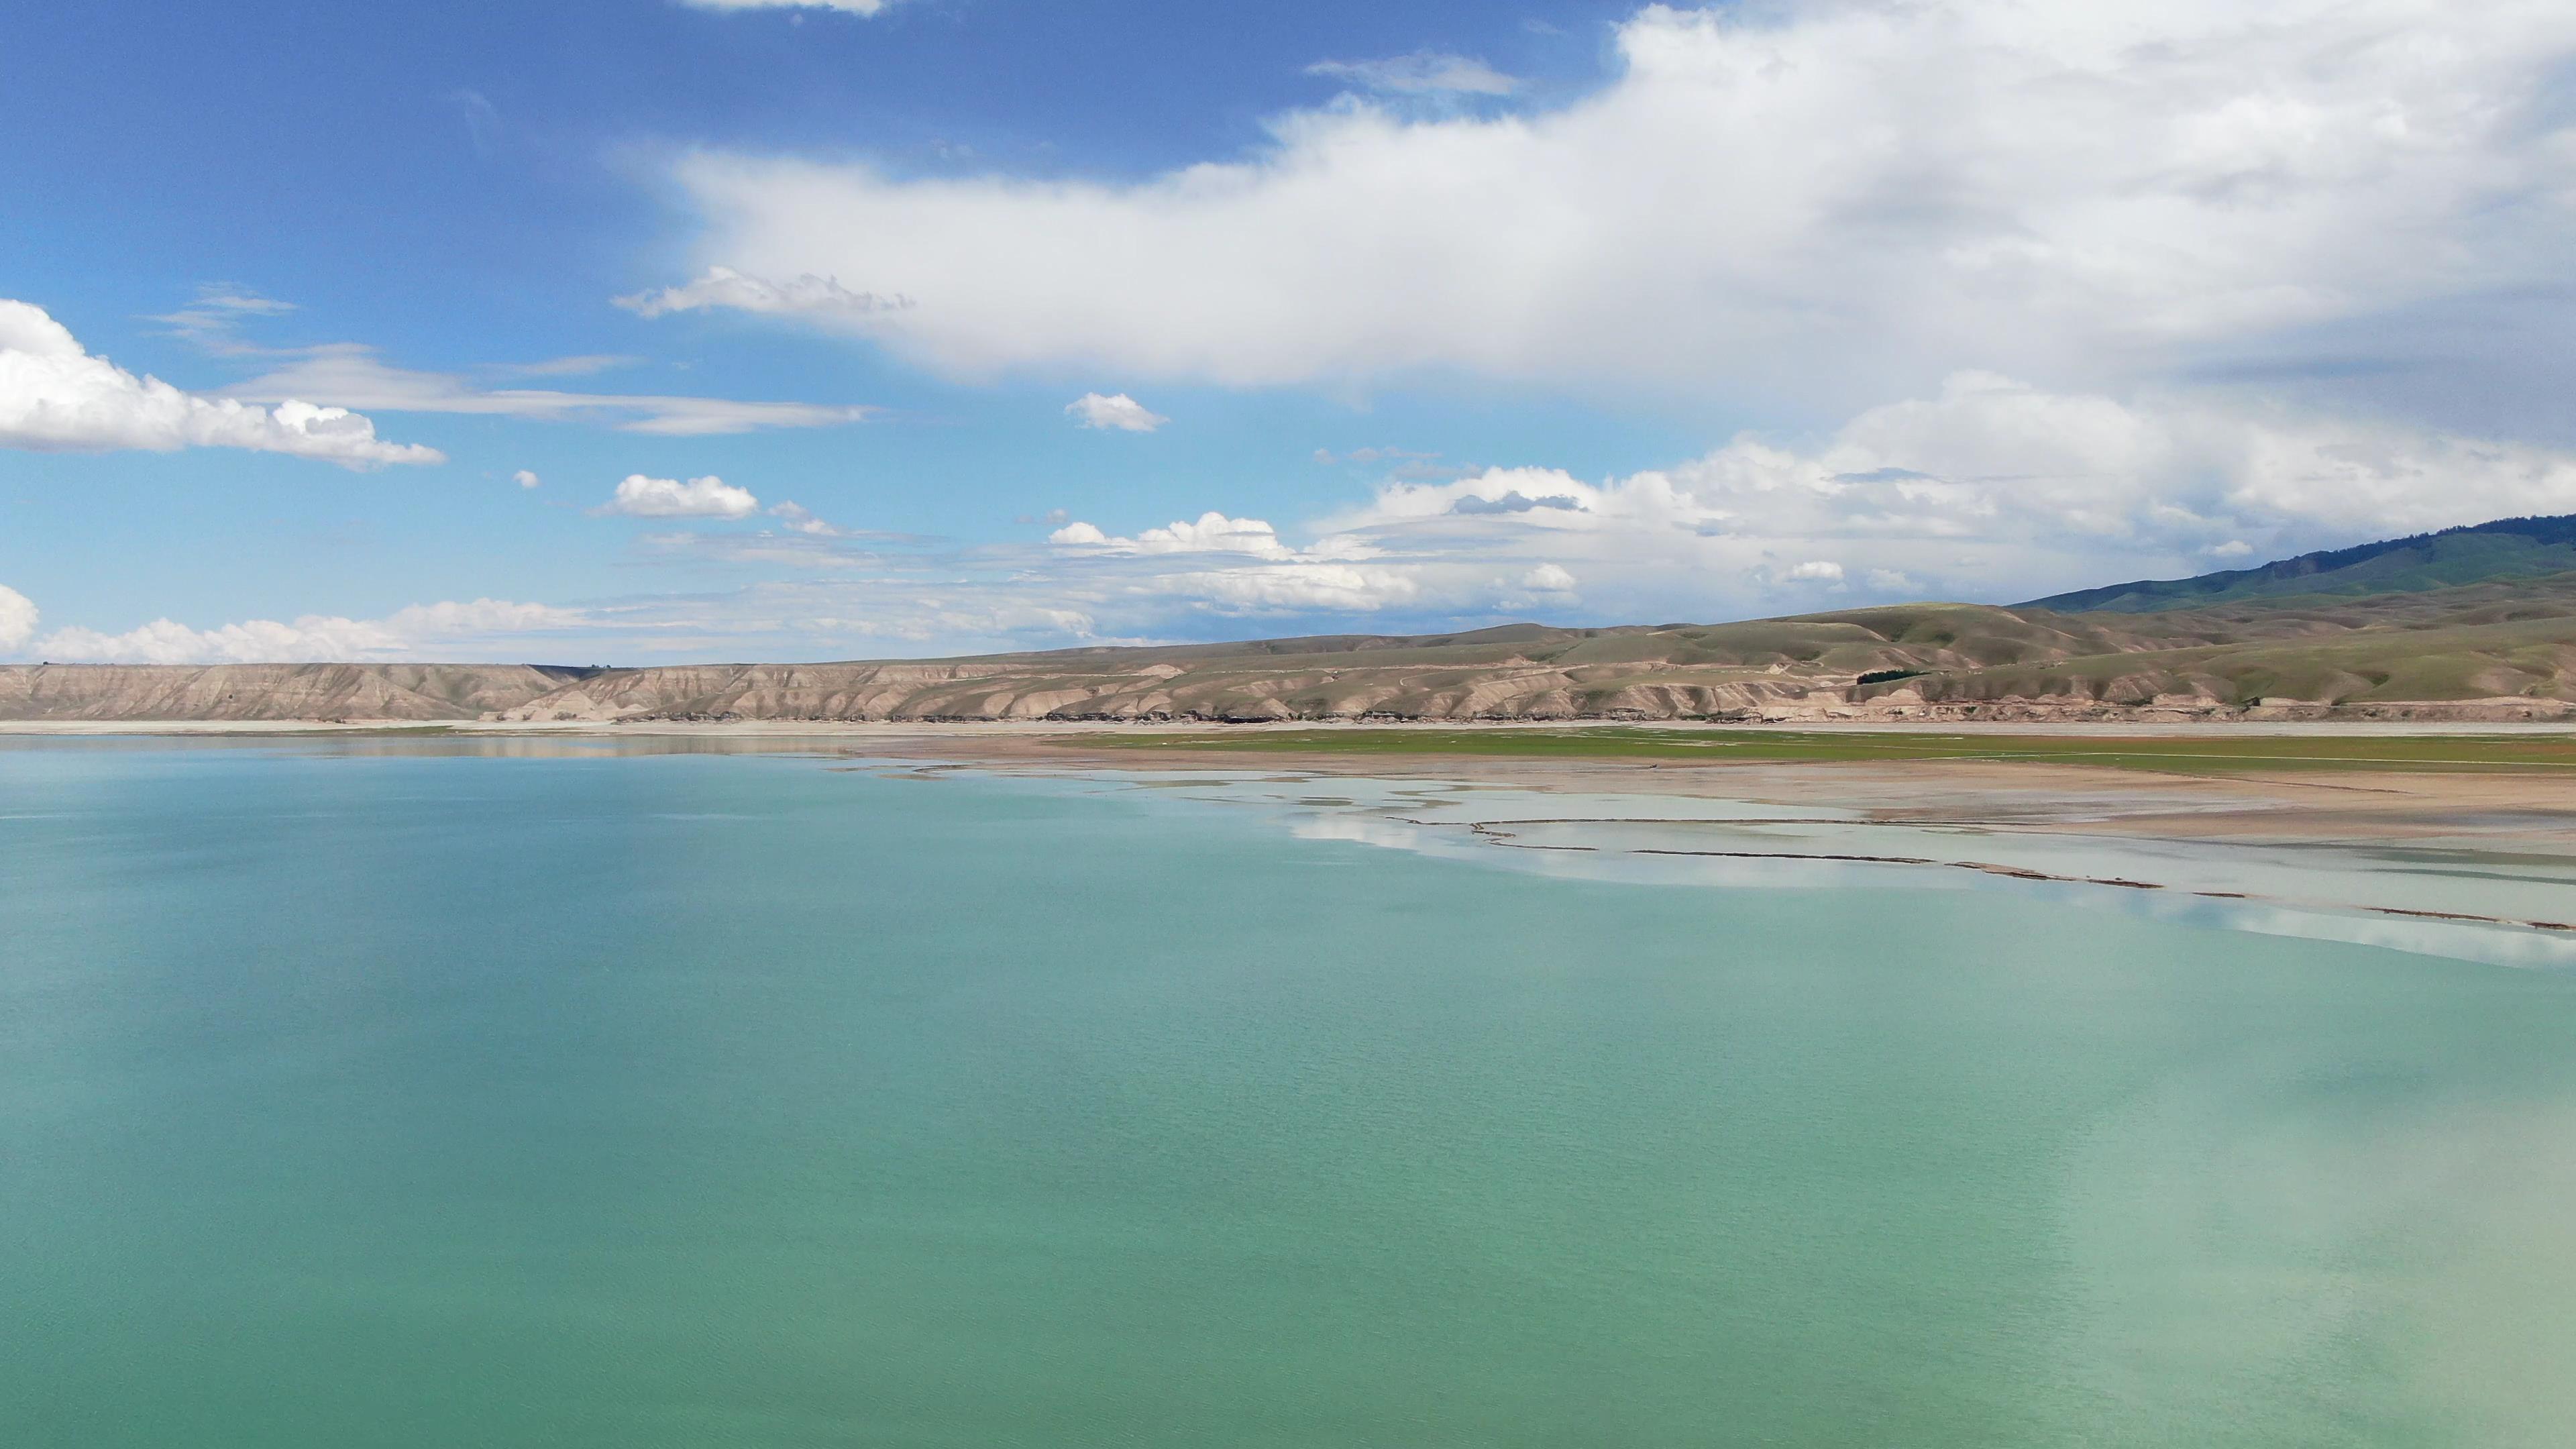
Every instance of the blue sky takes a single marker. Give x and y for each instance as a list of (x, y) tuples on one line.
[(1391, 316)]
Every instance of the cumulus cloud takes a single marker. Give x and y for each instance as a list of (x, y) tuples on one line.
[(710, 497), (55, 396), (450, 629), (351, 374), (1988, 489), (526, 479), (1210, 532), (1116, 410), (17, 618), (1421, 73), (1817, 204)]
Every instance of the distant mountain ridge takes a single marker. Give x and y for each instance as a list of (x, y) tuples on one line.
[(2471, 623), (2472, 553)]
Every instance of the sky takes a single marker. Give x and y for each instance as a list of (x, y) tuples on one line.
[(648, 331)]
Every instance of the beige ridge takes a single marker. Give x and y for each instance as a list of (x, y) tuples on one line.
[(2488, 652)]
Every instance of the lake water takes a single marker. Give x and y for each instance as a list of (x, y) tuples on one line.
[(376, 1095)]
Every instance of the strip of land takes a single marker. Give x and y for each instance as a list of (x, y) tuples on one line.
[(2492, 651)]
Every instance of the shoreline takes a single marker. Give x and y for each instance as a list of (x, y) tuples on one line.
[(2354, 802), (2492, 850), (1061, 729)]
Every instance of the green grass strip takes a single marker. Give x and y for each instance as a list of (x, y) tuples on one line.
[(2197, 755)]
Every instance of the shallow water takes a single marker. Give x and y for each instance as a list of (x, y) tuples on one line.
[(415, 1097)]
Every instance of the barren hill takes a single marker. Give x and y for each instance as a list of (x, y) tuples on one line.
[(2501, 649), (422, 692), (2469, 623)]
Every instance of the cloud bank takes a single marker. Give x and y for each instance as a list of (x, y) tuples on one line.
[(55, 396), (1825, 204), (17, 619), (422, 630)]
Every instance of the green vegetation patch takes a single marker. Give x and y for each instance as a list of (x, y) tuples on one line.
[(2211, 753)]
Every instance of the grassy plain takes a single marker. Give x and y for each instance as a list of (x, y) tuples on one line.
[(2219, 752)]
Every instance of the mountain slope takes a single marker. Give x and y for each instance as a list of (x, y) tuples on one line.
[(2505, 548)]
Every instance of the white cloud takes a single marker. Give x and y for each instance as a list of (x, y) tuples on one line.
[(526, 479), (451, 630), (1211, 532), (57, 397), (1548, 579), (801, 520), (1421, 73), (1820, 203), (1989, 489), (709, 497), (352, 375), (725, 287), (17, 618), (1299, 588), (1116, 410)]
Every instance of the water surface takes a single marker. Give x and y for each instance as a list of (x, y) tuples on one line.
[(362, 1094)]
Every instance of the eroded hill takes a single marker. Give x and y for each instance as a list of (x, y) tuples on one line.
[(422, 692), (2504, 648)]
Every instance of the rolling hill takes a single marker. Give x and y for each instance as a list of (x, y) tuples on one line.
[(2505, 548), (2474, 623)]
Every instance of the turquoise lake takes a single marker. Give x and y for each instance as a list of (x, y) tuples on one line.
[(430, 1096)]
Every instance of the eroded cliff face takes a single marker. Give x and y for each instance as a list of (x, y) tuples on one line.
[(2464, 654), (353, 692)]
